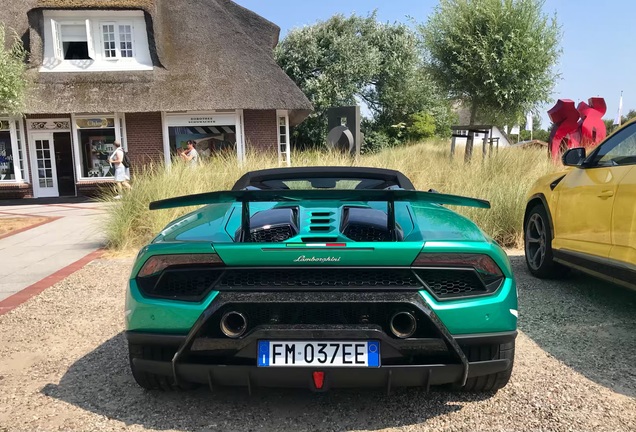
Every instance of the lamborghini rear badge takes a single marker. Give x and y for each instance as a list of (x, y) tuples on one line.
[(303, 258)]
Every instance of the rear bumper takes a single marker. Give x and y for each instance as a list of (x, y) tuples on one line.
[(385, 376), (251, 376)]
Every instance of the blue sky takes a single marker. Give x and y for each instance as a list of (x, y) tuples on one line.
[(597, 57)]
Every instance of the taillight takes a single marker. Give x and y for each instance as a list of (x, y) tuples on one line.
[(485, 265), (157, 263)]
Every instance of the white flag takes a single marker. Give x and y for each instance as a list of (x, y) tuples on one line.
[(619, 114), (529, 121)]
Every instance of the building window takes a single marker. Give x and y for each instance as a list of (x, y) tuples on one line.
[(77, 41), (125, 40), (110, 44), (284, 151), (118, 40), (95, 137), (20, 147), (74, 40), (209, 140), (12, 156)]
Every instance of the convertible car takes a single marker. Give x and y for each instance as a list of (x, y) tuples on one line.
[(319, 278), (585, 216)]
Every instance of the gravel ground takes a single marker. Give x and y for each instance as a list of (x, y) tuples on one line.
[(64, 367)]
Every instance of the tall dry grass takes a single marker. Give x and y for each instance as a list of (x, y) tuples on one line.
[(504, 179)]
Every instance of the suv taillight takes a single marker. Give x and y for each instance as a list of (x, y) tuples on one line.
[(158, 263)]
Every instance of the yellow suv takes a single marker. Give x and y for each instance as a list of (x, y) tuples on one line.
[(585, 217)]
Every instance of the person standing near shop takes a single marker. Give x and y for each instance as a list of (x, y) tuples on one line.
[(121, 176), (191, 156)]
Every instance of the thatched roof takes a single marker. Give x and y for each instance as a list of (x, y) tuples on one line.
[(207, 54)]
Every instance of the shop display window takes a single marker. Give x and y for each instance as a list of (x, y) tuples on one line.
[(209, 140), (11, 152), (96, 137)]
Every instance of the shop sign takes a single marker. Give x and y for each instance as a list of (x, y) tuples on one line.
[(201, 119), (95, 123)]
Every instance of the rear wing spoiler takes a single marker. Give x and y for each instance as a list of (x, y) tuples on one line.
[(390, 196)]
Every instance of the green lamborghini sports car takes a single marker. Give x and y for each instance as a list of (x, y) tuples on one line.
[(322, 277)]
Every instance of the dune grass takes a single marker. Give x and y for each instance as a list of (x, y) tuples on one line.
[(504, 179)]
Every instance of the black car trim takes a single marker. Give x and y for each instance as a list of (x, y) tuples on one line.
[(605, 268), (175, 340), (245, 347), (486, 338), (556, 182), (488, 289), (225, 298), (335, 377)]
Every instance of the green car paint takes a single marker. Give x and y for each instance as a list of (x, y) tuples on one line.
[(427, 228)]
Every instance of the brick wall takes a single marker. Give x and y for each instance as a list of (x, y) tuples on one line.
[(260, 130), (15, 191), (145, 138), (94, 189)]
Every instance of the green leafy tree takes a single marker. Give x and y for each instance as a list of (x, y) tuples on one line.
[(422, 126), (351, 60), (495, 56), (12, 75)]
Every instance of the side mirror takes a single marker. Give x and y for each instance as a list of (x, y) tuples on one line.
[(574, 157)]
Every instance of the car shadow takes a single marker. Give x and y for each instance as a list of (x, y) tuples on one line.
[(101, 382), (587, 323)]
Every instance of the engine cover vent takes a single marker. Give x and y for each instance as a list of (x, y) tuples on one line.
[(367, 225), (273, 226)]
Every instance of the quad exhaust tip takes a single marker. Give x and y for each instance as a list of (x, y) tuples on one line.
[(233, 324), (403, 325)]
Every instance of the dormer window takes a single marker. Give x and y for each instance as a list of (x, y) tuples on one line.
[(95, 40)]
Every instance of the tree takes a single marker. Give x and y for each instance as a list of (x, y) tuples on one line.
[(12, 75), (350, 60), (495, 56)]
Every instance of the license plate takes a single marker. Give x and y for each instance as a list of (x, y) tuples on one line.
[(322, 354)]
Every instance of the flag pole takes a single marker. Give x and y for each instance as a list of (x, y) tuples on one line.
[(619, 114)]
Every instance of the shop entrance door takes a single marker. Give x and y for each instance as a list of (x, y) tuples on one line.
[(64, 164), (44, 172)]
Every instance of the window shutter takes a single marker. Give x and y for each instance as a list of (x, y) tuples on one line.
[(56, 40), (89, 40)]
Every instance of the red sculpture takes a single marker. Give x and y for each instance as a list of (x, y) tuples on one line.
[(575, 127), (592, 127)]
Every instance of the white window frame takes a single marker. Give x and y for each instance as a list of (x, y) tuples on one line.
[(284, 155), (56, 40), (116, 24), (120, 135), (18, 152)]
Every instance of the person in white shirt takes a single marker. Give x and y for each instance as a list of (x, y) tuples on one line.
[(121, 176), (191, 156)]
